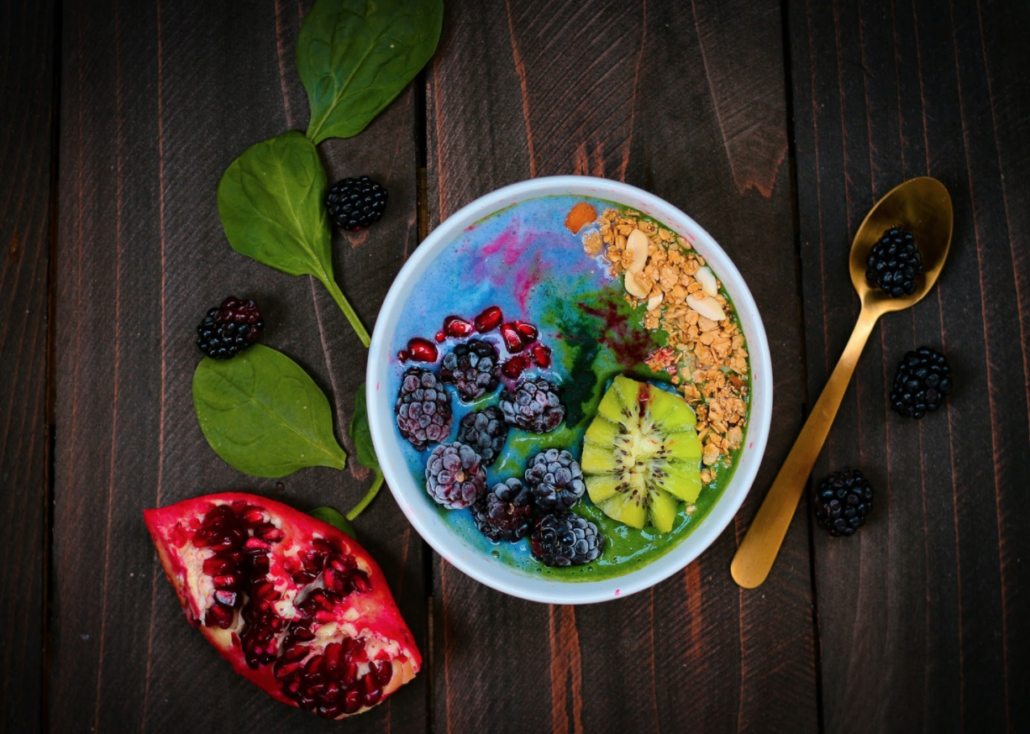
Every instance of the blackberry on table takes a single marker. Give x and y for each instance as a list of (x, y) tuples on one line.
[(505, 512), (843, 501), (533, 406), (555, 479), (423, 408), (356, 203), (455, 476), (485, 431), (230, 328), (473, 367), (894, 263), (565, 539), (921, 383)]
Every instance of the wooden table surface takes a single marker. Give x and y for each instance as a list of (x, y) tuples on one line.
[(774, 124)]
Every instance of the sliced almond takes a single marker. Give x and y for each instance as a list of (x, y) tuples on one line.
[(655, 301), (707, 308), (634, 286), (636, 244), (706, 278)]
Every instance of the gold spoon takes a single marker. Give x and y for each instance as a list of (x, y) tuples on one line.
[(922, 206)]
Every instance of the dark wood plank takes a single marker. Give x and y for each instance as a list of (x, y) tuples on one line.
[(687, 101), (158, 99), (923, 616), (26, 77)]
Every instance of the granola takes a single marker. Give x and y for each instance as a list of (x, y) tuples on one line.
[(705, 353)]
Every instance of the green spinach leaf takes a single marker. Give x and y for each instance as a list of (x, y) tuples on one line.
[(330, 516), (264, 415), (355, 57), (271, 203), (361, 434)]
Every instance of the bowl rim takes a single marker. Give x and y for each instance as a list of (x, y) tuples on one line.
[(482, 567)]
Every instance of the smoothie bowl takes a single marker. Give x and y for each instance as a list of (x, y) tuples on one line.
[(569, 390)]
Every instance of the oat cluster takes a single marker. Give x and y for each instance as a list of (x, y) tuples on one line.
[(705, 354)]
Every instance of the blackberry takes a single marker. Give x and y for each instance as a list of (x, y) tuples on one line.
[(533, 406), (565, 539), (230, 328), (922, 381), (555, 479), (455, 476), (355, 203), (505, 512), (473, 367), (842, 502), (485, 431), (895, 263), (423, 408)]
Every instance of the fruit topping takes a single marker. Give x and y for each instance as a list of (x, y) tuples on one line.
[(473, 368), (230, 328), (706, 278), (455, 476), (527, 331), (485, 431), (512, 338), (894, 263), (505, 512), (555, 479), (542, 355), (440, 336), (580, 216), (297, 607), (423, 408), (488, 320), (356, 203), (565, 539), (707, 307), (843, 501), (422, 350), (514, 367), (921, 383), (636, 246), (457, 327), (636, 284), (533, 406), (641, 455)]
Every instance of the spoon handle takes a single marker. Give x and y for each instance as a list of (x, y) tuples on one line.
[(758, 550)]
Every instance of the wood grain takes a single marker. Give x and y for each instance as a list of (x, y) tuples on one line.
[(923, 621), (688, 103), (157, 100), (26, 125)]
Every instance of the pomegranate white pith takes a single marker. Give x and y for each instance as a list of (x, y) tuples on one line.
[(296, 606)]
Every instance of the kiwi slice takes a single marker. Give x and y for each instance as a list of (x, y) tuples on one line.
[(641, 455)]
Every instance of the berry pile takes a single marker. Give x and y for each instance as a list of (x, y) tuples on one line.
[(895, 263), (538, 504), (230, 328), (356, 203)]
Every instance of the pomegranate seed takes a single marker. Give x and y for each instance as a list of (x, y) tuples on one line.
[(361, 582), (219, 615), (372, 692), (260, 565), (284, 671), (330, 711), (514, 367), (350, 672), (457, 326), (228, 598), (313, 666), (179, 536), (402, 356), (333, 657), (295, 653), (512, 338), (384, 672), (253, 546), (527, 330), (228, 581), (352, 700), (422, 350), (270, 533), (303, 634), (440, 336), (218, 565), (253, 516), (488, 320), (542, 355)]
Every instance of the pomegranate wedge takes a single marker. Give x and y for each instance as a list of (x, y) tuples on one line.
[(297, 607)]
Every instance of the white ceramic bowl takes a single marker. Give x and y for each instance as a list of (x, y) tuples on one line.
[(411, 495)]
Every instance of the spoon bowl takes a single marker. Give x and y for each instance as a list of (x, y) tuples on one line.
[(921, 206)]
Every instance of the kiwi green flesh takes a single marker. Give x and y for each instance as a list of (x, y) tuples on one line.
[(641, 455)]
